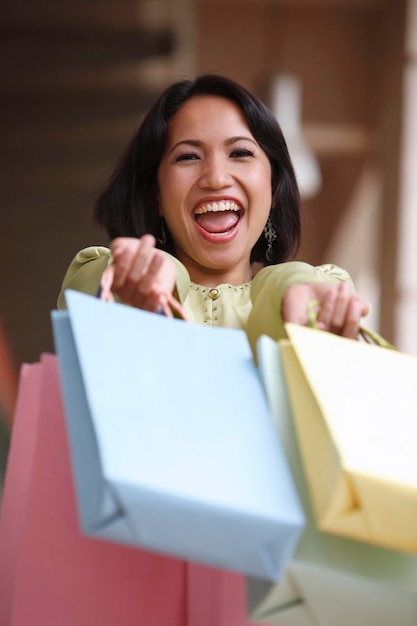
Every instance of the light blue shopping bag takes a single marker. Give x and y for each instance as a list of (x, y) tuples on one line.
[(172, 442)]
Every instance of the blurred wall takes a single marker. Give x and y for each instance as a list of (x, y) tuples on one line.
[(76, 79)]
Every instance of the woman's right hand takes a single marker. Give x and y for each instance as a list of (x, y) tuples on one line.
[(140, 275)]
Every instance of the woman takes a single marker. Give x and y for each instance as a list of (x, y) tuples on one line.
[(204, 194)]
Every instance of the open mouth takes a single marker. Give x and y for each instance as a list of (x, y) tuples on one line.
[(218, 217)]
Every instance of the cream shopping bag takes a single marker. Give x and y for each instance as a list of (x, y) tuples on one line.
[(332, 580)]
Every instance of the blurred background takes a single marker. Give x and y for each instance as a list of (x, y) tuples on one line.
[(77, 76)]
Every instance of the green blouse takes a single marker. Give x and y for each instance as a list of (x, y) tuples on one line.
[(254, 306)]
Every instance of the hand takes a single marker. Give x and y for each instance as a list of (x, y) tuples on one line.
[(140, 275), (339, 309)]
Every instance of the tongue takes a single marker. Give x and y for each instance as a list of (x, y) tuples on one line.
[(218, 221)]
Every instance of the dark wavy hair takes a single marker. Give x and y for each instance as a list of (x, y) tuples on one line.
[(128, 204)]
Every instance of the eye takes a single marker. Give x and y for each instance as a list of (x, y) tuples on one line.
[(241, 153), (186, 156)]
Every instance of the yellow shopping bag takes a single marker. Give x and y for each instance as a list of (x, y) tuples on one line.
[(355, 412)]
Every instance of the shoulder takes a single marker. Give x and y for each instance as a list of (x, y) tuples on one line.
[(284, 275), (88, 255), (84, 271)]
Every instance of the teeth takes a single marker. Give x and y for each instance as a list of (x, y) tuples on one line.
[(213, 207)]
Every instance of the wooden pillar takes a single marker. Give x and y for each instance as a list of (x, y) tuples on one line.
[(405, 313), (389, 128)]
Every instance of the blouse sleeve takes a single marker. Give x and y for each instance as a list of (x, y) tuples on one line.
[(269, 287), (84, 272)]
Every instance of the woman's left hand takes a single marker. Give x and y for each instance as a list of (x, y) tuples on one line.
[(340, 310)]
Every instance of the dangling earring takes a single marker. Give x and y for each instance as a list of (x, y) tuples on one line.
[(270, 235), (162, 239)]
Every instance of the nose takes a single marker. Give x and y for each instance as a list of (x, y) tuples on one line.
[(215, 174)]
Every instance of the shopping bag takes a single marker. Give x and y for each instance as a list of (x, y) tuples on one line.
[(51, 575), (172, 442), (355, 410), (215, 597), (331, 580), (16, 487)]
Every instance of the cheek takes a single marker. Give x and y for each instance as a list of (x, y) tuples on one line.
[(262, 186), (173, 185), (262, 176), (166, 194)]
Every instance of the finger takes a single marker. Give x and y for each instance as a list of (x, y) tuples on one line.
[(327, 306), (358, 307), (178, 308), (106, 282), (132, 262), (294, 304), (136, 284), (142, 258), (344, 294), (143, 290), (154, 301), (352, 321), (161, 271), (152, 271), (365, 306), (123, 251), (164, 306)]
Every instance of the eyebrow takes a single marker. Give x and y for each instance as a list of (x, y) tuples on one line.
[(198, 144)]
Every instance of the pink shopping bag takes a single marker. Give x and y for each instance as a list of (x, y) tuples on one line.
[(215, 597), (49, 574), (16, 487)]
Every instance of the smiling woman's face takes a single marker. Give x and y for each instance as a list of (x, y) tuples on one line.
[(214, 190)]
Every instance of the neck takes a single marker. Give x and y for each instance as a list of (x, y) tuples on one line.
[(213, 277)]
